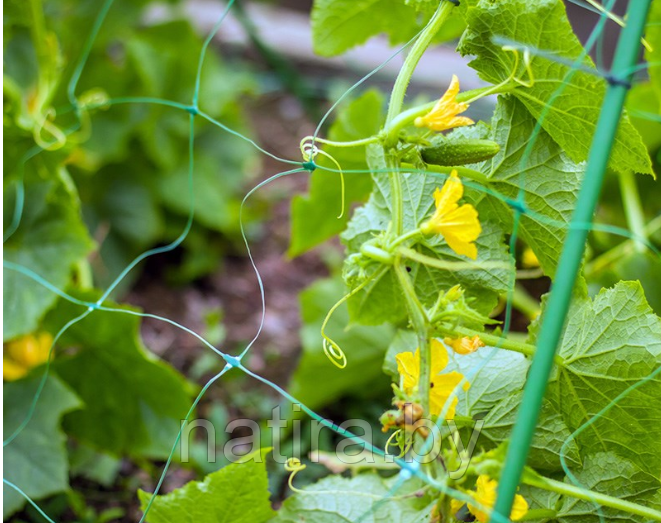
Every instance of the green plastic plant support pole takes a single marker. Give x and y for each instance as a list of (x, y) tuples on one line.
[(626, 56)]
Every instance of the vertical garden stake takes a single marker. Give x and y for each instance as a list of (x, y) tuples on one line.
[(626, 56)]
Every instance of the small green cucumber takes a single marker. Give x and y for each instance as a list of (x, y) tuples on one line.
[(459, 152)]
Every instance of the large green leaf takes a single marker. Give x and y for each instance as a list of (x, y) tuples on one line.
[(339, 25), (496, 381), (366, 498), (570, 118), (550, 181), (237, 493), (606, 473), (491, 376), (363, 346), (50, 240), (610, 344), (382, 300), (133, 402), (551, 433), (313, 217), (610, 474), (36, 460)]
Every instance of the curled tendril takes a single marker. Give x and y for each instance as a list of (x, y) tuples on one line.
[(309, 151), (332, 350), (294, 466), (388, 443), (88, 101), (407, 444), (527, 61), (45, 124), (334, 353)]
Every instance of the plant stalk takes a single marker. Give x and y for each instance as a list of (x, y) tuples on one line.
[(420, 324), (418, 49), (464, 172), (523, 302), (417, 313), (491, 340), (619, 251), (633, 209)]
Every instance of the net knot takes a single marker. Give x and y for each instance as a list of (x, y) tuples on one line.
[(617, 81), (232, 361), (192, 109), (309, 166), (518, 205), (93, 306), (409, 470)]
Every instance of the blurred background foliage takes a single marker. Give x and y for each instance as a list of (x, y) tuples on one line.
[(101, 189)]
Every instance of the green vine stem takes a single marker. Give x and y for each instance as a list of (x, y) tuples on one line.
[(633, 209), (616, 253), (493, 340), (417, 313), (464, 172), (40, 41), (437, 263), (354, 143), (566, 489), (420, 323), (418, 49), (523, 302), (397, 198)]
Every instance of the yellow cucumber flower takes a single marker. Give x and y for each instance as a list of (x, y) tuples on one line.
[(442, 385), (529, 259), (24, 353), (485, 495), (455, 506), (444, 114), (464, 345), (457, 224)]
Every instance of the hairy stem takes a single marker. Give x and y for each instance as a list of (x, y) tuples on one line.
[(464, 172), (525, 303), (493, 340), (353, 143), (418, 49), (444, 265), (420, 324), (417, 313)]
